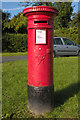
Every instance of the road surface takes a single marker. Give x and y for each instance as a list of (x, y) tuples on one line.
[(12, 58)]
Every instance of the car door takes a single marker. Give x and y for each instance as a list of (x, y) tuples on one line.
[(58, 46), (70, 47)]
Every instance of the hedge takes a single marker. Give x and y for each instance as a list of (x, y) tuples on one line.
[(14, 42), (71, 33), (18, 42)]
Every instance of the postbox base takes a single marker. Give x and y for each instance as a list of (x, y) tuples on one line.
[(40, 99)]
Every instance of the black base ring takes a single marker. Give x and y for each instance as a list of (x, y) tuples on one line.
[(40, 99)]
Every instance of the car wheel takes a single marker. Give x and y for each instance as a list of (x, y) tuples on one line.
[(79, 53), (54, 55)]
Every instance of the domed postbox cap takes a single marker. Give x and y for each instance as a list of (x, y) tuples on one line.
[(40, 9)]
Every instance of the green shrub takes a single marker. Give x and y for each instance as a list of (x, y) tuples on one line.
[(14, 42), (18, 42), (71, 33)]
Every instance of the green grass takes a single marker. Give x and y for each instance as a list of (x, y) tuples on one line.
[(14, 90), (14, 54)]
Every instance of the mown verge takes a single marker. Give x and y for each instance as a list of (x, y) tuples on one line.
[(14, 89)]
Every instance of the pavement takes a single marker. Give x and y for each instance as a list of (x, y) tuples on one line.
[(12, 58)]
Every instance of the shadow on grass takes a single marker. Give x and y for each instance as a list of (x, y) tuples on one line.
[(62, 95)]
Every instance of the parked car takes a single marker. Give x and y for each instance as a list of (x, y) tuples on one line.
[(65, 47)]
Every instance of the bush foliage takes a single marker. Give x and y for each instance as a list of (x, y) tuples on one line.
[(19, 42), (71, 33), (14, 42)]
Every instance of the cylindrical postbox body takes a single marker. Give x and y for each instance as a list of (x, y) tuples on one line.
[(40, 58)]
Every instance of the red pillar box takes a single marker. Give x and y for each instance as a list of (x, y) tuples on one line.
[(40, 58)]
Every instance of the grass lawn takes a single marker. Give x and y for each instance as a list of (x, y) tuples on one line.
[(14, 89), (14, 54)]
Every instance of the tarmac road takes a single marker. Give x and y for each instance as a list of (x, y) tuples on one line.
[(12, 58)]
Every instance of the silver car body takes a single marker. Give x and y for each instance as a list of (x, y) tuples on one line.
[(64, 46)]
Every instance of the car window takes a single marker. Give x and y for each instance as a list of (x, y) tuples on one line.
[(68, 42), (57, 41)]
